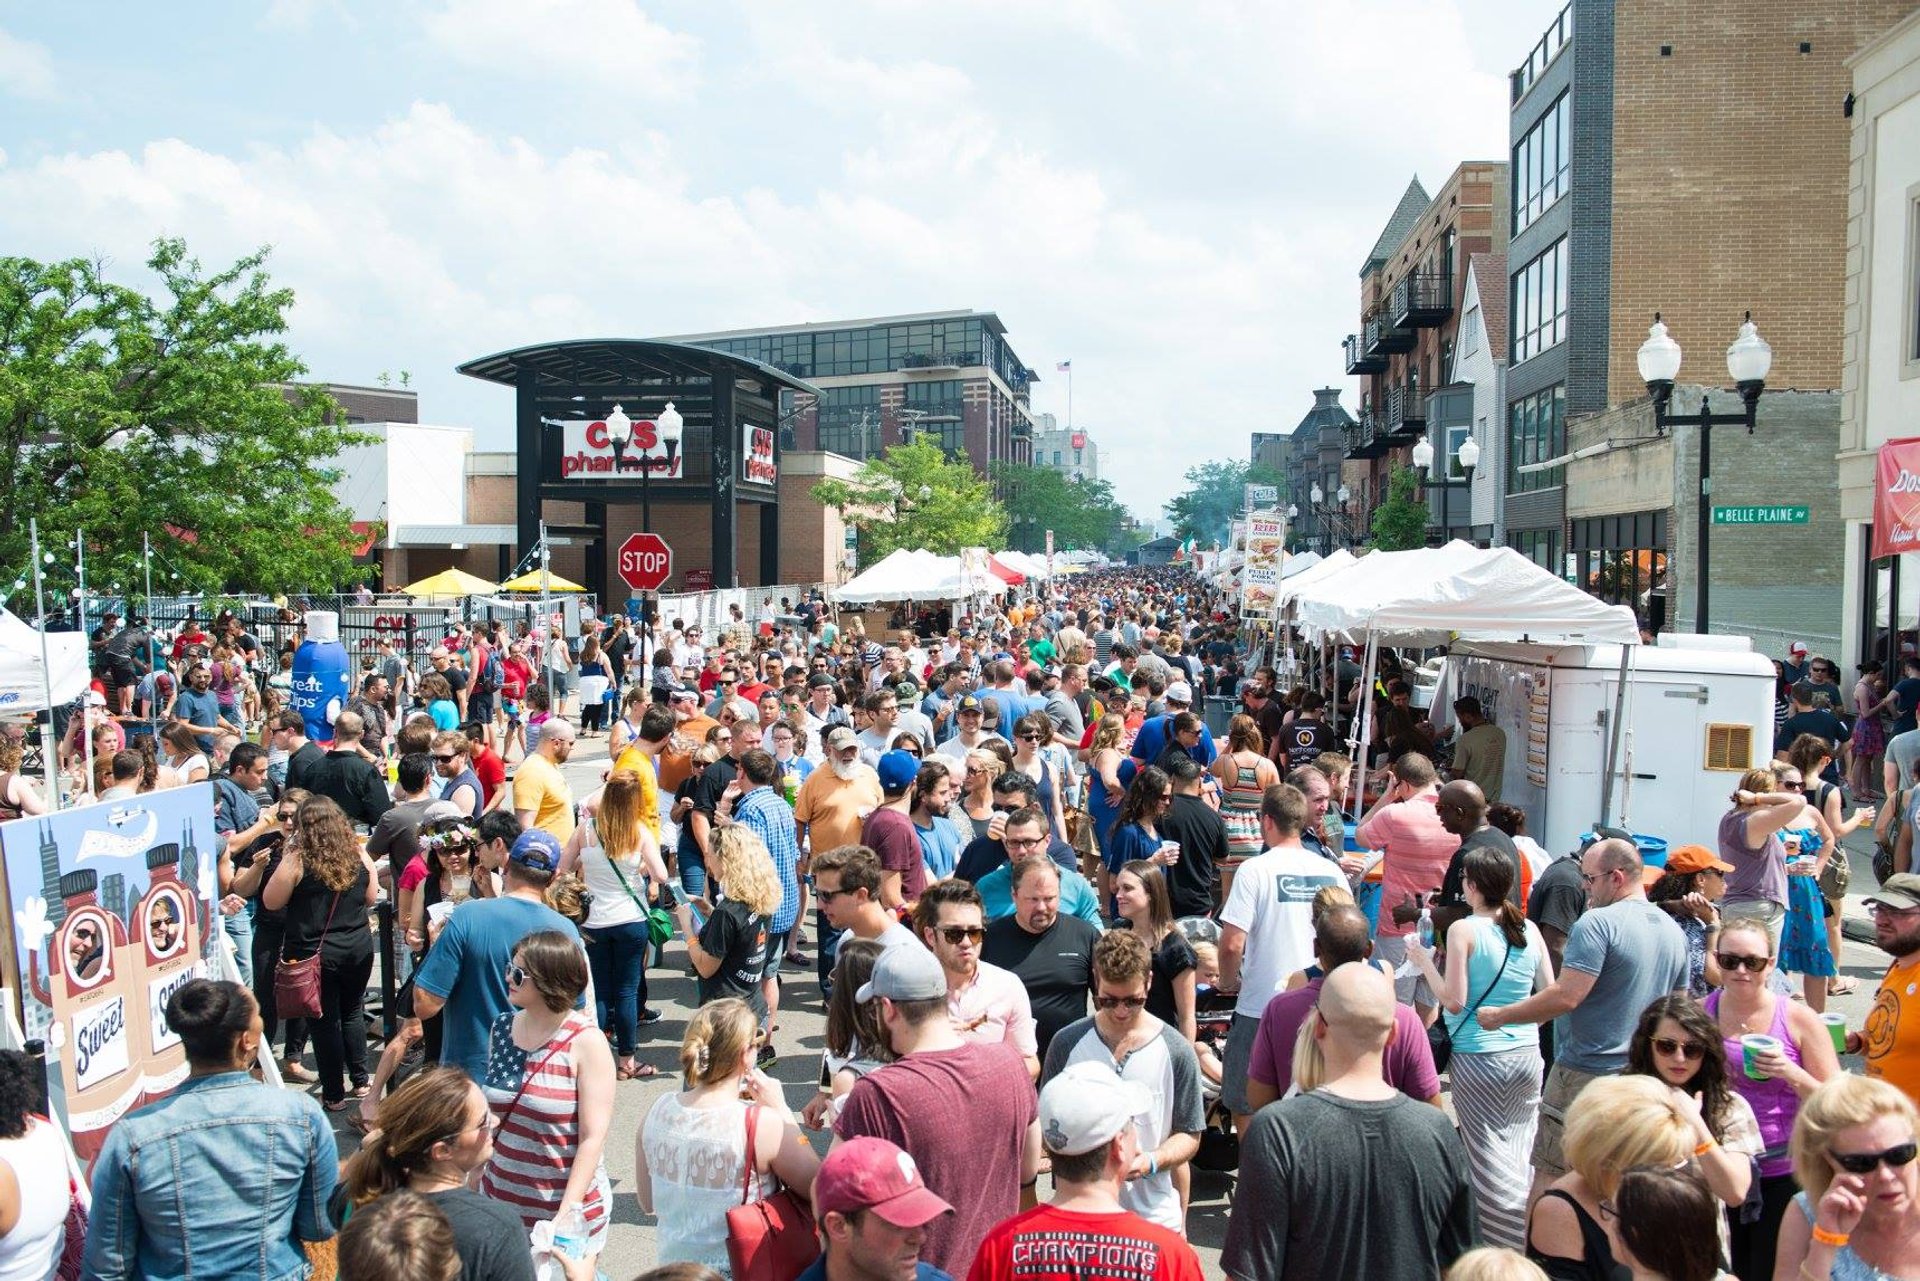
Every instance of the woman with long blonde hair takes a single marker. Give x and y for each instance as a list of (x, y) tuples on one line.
[(1106, 788), (620, 861), (982, 768), (325, 884), (729, 951), (691, 1157)]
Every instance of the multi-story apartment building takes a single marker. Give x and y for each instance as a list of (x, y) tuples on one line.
[(1071, 451), (1314, 454), (1410, 289), (948, 375)]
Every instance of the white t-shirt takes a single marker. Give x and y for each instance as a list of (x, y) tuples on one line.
[(1167, 1069), (1272, 900)]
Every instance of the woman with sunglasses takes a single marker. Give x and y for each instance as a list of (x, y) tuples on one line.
[(1858, 1217), (977, 798), (1678, 1044), (1749, 840), (1030, 734), (448, 872), (1809, 846), (1746, 1006), (1140, 894), (429, 1137), (691, 1157), (1135, 833), (550, 1084)]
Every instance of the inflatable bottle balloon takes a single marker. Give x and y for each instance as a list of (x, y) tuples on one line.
[(322, 675)]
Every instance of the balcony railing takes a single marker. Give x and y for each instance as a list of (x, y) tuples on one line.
[(1367, 437), (1422, 300), (1380, 337), (1543, 53), (1358, 361), (1406, 413)]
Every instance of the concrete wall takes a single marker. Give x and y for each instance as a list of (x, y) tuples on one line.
[(1880, 386)]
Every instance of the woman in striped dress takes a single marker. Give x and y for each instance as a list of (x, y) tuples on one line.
[(1494, 957), (549, 1082), (1245, 774)]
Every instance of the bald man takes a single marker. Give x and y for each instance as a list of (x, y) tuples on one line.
[(1378, 1181), (1463, 811)]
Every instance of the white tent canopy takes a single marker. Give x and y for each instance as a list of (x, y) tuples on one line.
[(1433, 595), (914, 575), (23, 688), (1292, 585), (1300, 563)]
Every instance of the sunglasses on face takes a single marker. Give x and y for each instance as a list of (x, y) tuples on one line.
[(827, 896), (1865, 1162), (516, 975), (1728, 961), (1028, 738), (444, 759), (1118, 1002), (1688, 1050), (1793, 784), (955, 935)]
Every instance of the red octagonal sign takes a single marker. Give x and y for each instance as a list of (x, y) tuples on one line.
[(646, 562)]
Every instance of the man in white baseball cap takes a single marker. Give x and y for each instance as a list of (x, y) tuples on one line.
[(1088, 1121)]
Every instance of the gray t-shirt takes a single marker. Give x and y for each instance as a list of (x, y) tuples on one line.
[(1636, 954), (1904, 751), (1334, 1187)]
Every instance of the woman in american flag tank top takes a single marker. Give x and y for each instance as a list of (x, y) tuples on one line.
[(549, 1081)]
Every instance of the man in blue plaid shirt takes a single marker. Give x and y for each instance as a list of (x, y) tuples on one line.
[(762, 810)]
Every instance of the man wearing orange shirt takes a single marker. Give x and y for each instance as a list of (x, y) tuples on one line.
[(689, 732), (1891, 1040)]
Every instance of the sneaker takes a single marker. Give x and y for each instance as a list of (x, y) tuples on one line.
[(650, 1016), (340, 1105), (767, 1057)]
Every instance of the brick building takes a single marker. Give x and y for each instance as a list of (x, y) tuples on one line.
[(1689, 159), (1312, 455), (949, 375), (1410, 289)]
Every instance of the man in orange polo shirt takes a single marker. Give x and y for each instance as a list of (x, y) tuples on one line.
[(1891, 1040), (689, 732)]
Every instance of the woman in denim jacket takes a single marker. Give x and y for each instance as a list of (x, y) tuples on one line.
[(223, 1178)]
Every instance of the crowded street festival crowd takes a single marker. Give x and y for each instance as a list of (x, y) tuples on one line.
[(1097, 901)]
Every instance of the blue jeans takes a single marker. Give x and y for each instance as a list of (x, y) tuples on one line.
[(618, 958), (829, 950), (239, 928), (693, 870)]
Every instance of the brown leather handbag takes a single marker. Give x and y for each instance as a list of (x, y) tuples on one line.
[(296, 984)]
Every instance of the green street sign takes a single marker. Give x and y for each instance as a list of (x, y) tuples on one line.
[(1788, 514)]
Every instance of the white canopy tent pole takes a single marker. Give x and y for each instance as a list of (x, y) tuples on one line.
[(49, 744), (1364, 723)]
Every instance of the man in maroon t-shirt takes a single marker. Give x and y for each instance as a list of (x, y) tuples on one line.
[(889, 831), (964, 1111), (1339, 939)]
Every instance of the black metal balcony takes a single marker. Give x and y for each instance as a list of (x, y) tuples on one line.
[(1358, 361), (1381, 337), (1406, 417), (1422, 300), (1367, 438)]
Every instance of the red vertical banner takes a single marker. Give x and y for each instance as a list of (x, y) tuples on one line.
[(1896, 498)]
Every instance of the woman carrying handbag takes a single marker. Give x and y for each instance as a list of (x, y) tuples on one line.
[(692, 1160), (325, 883)]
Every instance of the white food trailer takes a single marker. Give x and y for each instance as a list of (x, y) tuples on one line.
[(1698, 711)]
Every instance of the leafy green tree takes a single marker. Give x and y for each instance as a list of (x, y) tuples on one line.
[(1083, 515), (1400, 522), (178, 418), (914, 496), (1215, 497)]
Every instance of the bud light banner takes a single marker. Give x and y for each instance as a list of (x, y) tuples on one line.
[(1896, 498), (113, 910)]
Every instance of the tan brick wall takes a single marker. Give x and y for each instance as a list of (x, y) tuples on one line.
[(1730, 180)]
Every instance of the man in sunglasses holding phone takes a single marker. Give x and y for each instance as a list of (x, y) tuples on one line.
[(1121, 1036)]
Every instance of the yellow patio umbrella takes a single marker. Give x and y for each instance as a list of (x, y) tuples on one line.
[(531, 582), (449, 582)]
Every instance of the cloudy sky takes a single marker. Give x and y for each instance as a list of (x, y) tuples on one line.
[(1177, 197)]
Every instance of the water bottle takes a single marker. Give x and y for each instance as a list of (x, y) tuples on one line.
[(570, 1236), (1426, 927)]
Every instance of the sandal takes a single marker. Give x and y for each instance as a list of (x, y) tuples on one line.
[(635, 1071), (1841, 987)]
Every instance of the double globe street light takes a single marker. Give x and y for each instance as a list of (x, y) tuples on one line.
[(1321, 512), (667, 427), (1468, 456), (1749, 360)]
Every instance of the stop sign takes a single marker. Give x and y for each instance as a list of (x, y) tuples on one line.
[(645, 562)]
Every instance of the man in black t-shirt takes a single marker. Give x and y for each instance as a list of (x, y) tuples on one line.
[(1309, 735), (1051, 954), (1817, 721), (1203, 842), (711, 789), (1463, 811)]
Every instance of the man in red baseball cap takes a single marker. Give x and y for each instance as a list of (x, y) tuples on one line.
[(873, 1209)]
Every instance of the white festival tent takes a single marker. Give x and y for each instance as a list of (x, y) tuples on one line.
[(913, 575), (1300, 563), (1294, 582), (24, 681)]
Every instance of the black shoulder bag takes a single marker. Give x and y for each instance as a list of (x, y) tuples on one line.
[(1440, 1038)]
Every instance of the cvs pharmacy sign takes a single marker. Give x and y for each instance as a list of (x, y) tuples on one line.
[(756, 456)]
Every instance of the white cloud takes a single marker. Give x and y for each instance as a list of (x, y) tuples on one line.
[(603, 45), (26, 68)]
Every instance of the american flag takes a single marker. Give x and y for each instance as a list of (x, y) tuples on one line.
[(1065, 366)]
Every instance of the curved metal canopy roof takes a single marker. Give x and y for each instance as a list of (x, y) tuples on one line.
[(591, 362)]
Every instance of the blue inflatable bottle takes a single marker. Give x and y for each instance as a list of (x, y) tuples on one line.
[(322, 675)]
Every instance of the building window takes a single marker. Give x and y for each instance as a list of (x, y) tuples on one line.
[(1536, 432), (1541, 546), (1623, 560), (1540, 168), (1539, 305), (1470, 331), (1457, 435)]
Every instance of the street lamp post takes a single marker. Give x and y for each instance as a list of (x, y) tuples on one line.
[(1469, 458), (1749, 359)]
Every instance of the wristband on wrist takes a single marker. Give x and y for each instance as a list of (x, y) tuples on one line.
[(1706, 1147), (1834, 1239), (1153, 1165)]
